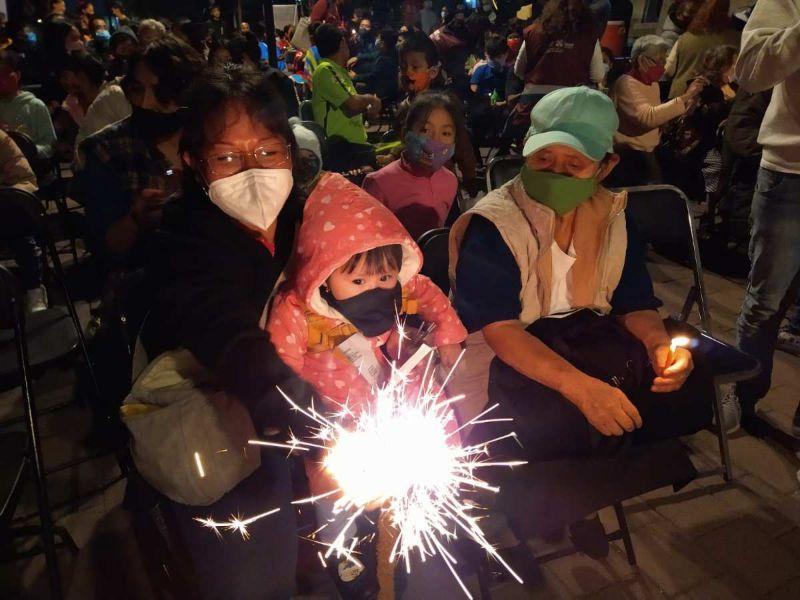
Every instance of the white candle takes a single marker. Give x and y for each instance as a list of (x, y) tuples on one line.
[(677, 342)]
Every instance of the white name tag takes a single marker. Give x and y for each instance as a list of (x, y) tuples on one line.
[(361, 354)]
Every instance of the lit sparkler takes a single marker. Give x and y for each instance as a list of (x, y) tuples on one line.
[(401, 453), (235, 523)]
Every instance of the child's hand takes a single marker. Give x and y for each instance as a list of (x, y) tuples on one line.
[(448, 355)]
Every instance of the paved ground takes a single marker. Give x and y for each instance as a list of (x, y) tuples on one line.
[(711, 540)]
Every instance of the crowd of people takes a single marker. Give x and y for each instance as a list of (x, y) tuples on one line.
[(275, 209)]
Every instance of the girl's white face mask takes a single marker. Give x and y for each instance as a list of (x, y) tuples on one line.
[(253, 197)]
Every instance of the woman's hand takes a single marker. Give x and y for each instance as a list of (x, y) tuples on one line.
[(448, 355), (693, 91), (147, 208), (670, 377), (607, 408)]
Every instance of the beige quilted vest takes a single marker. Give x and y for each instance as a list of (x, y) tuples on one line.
[(527, 228)]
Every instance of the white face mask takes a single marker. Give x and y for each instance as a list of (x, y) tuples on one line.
[(253, 197)]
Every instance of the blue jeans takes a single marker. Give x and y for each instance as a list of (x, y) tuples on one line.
[(773, 281), (792, 323)]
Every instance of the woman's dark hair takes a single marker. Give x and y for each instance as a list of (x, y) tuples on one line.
[(564, 18), (426, 102), (328, 40), (53, 37), (376, 260), (176, 64), (389, 37), (86, 63), (711, 17), (716, 61), (219, 86)]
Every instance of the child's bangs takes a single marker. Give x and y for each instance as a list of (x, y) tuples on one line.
[(376, 261)]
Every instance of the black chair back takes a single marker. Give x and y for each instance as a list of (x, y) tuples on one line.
[(306, 112), (435, 251), (501, 170), (10, 299), (21, 214), (41, 167), (662, 215)]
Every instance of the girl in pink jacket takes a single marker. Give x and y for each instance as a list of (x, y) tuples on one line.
[(355, 269)]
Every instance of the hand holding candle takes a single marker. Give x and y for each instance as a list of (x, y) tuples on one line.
[(672, 366), (677, 342)]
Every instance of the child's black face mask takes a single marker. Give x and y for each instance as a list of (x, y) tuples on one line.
[(372, 312)]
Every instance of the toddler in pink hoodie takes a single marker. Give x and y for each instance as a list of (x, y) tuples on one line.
[(355, 269)]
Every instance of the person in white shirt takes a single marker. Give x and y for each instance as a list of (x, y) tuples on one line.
[(770, 58)]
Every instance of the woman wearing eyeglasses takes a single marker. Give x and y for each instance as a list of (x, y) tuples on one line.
[(637, 97), (223, 245)]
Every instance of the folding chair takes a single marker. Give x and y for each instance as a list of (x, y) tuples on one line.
[(25, 450), (22, 214), (51, 184), (435, 252), (501, 170), (663, 216), (306, 112)]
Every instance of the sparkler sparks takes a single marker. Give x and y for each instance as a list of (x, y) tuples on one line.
[(402, 454), (235, 523)]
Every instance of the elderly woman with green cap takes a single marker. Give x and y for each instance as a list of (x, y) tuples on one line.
[(550, 278)]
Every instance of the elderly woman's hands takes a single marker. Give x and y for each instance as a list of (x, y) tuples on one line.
[(694, 89), (605, 407), (670, 376)]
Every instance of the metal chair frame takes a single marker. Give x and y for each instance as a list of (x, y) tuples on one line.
[(697, 297), (47, 529)]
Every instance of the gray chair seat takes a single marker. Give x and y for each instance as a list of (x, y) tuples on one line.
[(50, 336)]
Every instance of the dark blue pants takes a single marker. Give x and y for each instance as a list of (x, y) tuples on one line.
[(773, 281), (232, 568)]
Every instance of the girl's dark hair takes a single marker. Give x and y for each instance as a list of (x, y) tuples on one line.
[(176, 64), (711, 17), (716, 61), (376, 260), (565, 18), (220, 86), (426, 102), (86, 63)]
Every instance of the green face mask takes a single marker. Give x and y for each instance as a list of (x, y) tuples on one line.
[(562, 193)]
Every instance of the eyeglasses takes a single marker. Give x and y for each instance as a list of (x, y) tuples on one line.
[(270, 156)]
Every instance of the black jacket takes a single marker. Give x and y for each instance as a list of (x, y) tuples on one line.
[(213, 280)]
